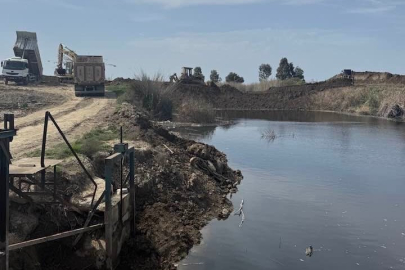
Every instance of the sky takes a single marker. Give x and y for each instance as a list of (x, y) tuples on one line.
[(160, 36)]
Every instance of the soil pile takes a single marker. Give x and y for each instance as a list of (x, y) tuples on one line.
[(378, 77), (181, 186)]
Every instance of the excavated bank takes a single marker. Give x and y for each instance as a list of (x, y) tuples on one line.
[(181, 186)]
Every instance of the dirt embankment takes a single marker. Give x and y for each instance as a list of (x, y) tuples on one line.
[(182, 185), (377, 94)]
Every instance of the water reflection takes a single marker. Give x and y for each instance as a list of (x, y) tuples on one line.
[(337, 185)]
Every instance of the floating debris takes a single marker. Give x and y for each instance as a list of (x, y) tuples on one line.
[(269, 135), (309, 251), (187, 264), (302, 260)]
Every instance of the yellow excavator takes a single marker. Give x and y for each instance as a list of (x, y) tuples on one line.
[(65, 74)]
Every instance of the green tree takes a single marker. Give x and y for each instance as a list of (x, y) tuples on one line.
[(299, 73), (198, 71), (233, 77), (264, 72), (214, 77), (284, 70), (292, 70)]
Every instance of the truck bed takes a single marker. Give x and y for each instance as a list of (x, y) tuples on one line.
[(29, 42)]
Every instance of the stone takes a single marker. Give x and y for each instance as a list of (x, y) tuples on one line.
[(395, 112)]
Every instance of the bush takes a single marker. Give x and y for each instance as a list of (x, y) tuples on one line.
[(233, 77), (149, 93), (373, 101), (91, 146), (196, 111)]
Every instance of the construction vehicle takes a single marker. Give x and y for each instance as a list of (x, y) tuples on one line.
[(65, 74), (87, 71), (347, 74), (26, 66), (187, 77)]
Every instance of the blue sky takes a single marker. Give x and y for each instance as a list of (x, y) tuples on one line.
[(321, 36)]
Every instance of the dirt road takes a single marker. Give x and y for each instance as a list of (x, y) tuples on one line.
[(74, 115)]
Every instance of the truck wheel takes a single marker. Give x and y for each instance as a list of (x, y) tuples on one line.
[(5, 81), (25, 81)]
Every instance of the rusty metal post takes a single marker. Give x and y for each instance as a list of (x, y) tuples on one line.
[(6, 136), (108, 213), (44, 135), (132, 189), (4, 205)]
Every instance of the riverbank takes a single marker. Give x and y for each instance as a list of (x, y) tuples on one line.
[(363, 96), (181, 186)]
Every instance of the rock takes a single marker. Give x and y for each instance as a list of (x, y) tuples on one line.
[(143, 154), (395, 112), (192, 180), (211, 167)]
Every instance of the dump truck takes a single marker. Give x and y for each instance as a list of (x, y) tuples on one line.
[(26, 65), (89, 75), (87, 72)]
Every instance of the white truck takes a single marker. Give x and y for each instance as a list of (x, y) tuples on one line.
[(26, 66)]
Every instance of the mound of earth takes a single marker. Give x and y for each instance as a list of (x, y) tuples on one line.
[(21, 101), (181, 186)]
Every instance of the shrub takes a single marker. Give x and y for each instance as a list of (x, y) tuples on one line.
[(196, 111), (373, 101), (91, 146), (233, 77), (149, 93)]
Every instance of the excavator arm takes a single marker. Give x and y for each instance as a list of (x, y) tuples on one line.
[(62, 51)]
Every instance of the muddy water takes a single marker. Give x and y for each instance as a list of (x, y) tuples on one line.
[(331, 181)]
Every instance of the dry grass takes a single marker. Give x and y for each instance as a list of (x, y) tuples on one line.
[(367, 100), (148, 92), (196, 111), (264, 85)]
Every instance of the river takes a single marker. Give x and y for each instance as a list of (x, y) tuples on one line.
[(332, 181)]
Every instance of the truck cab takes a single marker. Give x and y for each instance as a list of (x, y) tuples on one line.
[(16, 69)]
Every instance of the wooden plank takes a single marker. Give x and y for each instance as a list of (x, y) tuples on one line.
[(31, 166)]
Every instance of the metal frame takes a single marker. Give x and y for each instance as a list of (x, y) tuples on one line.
[(48, 115), (122, 152), (6, 136)]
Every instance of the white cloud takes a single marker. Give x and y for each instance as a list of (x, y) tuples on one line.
[(375, 6), (371, 10), (181, 3), (144, 18)]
